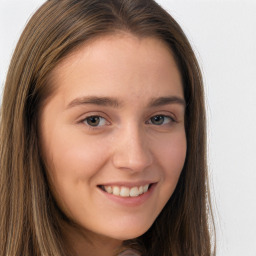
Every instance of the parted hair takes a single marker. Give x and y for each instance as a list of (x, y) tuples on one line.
[(29, 216)]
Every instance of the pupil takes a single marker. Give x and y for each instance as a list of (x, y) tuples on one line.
[(157, 120), (93, 120)]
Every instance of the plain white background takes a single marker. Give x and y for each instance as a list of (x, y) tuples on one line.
[(223, 35)]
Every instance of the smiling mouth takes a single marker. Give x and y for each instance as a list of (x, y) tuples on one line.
[(123, 191)]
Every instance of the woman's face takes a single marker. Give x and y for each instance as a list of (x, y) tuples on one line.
[(113, 134)]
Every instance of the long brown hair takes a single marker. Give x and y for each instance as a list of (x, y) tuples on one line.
[(29, 217)]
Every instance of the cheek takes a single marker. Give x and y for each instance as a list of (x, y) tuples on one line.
[(172, 151), (73, 161), (171, 157), (76, 155), (175, 154)]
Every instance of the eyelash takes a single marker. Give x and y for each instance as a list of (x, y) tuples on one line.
[(171, 120), (93, 116)]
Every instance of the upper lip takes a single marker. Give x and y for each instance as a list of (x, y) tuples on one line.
[(127, 184)]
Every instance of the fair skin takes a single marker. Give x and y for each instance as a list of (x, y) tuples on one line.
[(115, 124)]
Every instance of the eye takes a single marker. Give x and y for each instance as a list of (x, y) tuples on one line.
[(160, 120), (95, 121)]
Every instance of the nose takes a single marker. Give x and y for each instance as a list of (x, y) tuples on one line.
[(132, 151)]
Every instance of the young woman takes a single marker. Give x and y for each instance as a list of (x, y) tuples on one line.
[(103, 142)]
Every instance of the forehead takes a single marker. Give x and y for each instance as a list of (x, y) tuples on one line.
[(118, 62)]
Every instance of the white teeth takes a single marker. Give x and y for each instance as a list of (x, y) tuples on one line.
[(116, 191), (141, 190), (145, 188), (109, 189), (134, 191), (125, 191)]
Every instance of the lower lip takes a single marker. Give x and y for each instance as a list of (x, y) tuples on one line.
[(131, 201)]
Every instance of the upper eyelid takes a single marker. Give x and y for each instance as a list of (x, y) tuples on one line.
[(104, 115), (172, 119), (163, 113), (92, 113), (83, 119), (91, 127)]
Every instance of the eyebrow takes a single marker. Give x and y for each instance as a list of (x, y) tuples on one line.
[(115, 103), (161, 101), (95, 100)]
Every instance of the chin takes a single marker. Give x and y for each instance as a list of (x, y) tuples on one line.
[(129, 233)]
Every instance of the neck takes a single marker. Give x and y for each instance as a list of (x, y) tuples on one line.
[(83, 242)]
